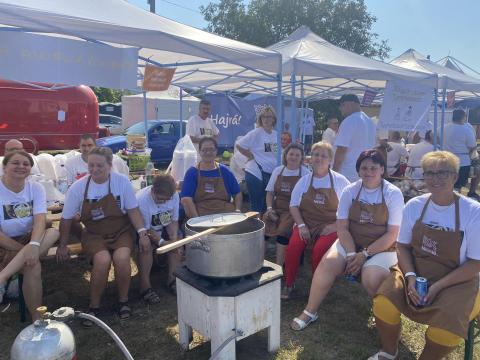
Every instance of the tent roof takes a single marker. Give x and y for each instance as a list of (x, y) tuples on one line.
[(447, 78), (173, 93), (325, 68), (118, 22)]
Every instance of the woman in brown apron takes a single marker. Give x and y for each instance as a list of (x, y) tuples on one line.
[(209, 188), (23, 238), (368, 219), (109, 235), (277, 218), (313, 207), (437, 242)]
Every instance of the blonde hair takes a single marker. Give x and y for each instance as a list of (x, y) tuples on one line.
[(323, 146), (441, 157), (266, 109)]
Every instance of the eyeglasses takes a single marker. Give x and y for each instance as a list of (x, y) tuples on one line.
[(442, 174), (370, 168)]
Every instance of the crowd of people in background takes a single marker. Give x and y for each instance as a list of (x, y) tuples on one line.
[(342, 209)]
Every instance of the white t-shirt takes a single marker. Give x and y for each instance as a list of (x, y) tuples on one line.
[(458, 138), (264, 147), (393, 199), (356, 133), (308, 124), (77, 168), (444, 216), (198, 127), (393, 156), (156, 216), (120, 186), (18, 209), (329, 136), (286, 172), (340, 182), (414, 169)]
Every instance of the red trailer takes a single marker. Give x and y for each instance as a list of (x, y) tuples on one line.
[(46, 119)]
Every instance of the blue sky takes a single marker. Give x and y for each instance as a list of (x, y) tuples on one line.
[(434, 27)]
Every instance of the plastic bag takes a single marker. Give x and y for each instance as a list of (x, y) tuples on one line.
[(184, 157)]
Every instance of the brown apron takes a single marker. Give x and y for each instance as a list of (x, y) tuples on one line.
[(7, 255), (106, 226), (435, 253), (367, 222), (319, 207), (211, 196), (282, 192)]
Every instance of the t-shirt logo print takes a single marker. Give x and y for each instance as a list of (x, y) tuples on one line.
[(206, 132), (319, 199), (429, 245), (366, 217), (270, 147), (18, 210)]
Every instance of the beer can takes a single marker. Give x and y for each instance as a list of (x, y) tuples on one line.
[(421, 286)]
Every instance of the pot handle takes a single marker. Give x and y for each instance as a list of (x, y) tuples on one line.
[(189, 239)]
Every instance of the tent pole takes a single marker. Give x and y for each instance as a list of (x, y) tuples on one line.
[(280, 118), (435, 120), (442, 125), (145, 117), (302, 111), (181, 113), (293, 109)]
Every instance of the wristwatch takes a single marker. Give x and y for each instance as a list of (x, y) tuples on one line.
[(366, 254)]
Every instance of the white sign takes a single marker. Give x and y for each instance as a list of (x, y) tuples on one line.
[(41, 58), (405, 106)]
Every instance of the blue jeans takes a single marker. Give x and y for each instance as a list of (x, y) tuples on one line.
[(256, 191)]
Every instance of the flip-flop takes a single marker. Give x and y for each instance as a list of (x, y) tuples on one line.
[(301, 324), (384, 354), (124, 311), (150, 296)]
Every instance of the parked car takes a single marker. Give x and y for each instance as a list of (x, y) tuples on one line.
[(163, 136), (112, 122)]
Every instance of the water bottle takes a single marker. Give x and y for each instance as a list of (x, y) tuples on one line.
[(62, 184), (149, 169)]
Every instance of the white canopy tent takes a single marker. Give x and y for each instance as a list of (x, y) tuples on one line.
[(160, 41), (448, 79)]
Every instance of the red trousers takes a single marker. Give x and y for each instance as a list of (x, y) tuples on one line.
[(295, 248)]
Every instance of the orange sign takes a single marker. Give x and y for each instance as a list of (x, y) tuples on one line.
[(157, 78)]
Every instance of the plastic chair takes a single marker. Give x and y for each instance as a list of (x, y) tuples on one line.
[(473, 332)]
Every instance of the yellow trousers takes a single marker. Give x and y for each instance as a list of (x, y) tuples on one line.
[(386, 311)]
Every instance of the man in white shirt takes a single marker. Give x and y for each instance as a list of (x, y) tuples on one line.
[(414, 165), (356, 134), (308, 126), (200, 126), (460, 140), (330, 132)]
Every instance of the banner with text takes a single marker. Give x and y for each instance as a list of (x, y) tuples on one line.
[(405, 106), (40, 58)]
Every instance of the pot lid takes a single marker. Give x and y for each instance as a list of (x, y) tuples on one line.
[(216, 220)]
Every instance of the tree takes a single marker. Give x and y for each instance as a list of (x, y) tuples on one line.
[(345, 23), (109, 95)]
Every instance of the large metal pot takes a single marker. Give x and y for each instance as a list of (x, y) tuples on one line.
[(237, 250)]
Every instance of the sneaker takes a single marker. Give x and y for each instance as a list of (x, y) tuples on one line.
[(474, 195)]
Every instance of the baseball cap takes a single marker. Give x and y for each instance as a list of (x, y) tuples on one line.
[(349, 97)]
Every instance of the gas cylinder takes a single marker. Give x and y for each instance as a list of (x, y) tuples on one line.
[(46, 339)]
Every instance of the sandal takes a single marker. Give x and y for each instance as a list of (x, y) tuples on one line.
[(89, 323), (124, 311), (287, 292), (150, 296), (298, 324), (172, 287), (384, 355)]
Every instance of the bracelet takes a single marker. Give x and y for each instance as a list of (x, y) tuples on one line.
[(141, 230), (366, 254), (269, 208), (409, 273), (301, 226), (34, 243), (351, 254)]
